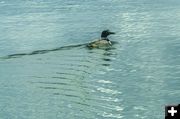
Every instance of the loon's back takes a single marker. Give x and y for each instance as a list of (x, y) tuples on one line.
[(99, 43)]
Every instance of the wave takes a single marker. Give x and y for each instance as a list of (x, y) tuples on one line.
[(44, 51)]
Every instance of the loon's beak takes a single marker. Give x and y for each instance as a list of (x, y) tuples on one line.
[(111, 32)]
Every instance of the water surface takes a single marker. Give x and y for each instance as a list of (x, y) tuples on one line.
[(45, 73)]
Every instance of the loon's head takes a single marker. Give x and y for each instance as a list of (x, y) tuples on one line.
[(106, 33)]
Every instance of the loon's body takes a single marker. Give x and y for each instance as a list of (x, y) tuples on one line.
[(99, 43), (103, 41)]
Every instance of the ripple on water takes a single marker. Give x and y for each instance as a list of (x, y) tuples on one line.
[(104, 81), (72, 80), (108, 91)]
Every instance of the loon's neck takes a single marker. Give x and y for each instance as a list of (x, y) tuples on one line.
[(104, 38)]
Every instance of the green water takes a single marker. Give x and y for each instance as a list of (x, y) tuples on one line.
[(46, 74)]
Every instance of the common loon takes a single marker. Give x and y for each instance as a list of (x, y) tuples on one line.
[(103, 41)]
